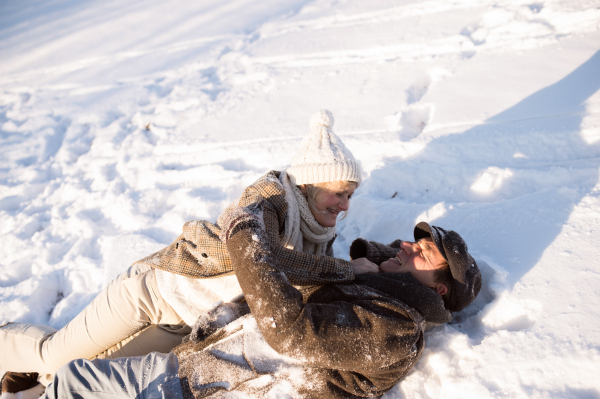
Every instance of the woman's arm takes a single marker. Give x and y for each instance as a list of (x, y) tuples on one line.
[(199, 253), (301, 268), (359, 329)]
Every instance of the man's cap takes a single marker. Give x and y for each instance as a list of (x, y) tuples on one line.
[(466, 277)]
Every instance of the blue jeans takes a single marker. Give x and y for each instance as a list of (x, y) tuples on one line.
[(143, 377)]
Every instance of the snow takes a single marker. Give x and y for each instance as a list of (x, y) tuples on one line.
[(121, 120)]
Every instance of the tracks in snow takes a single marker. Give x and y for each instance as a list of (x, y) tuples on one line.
[(507, 26)]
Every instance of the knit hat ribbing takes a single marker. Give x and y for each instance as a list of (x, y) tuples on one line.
[(323, 157)]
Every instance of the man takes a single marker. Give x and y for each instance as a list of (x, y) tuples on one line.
[(348, 340)]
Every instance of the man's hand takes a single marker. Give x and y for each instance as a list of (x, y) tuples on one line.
[(362, 265)]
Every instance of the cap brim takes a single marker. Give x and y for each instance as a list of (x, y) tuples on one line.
[(424, 230), (466, 277)]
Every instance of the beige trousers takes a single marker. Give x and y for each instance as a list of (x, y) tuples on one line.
[(128, 318)]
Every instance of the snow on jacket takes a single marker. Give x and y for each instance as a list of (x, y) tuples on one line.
[(343, 340), (199, 253)]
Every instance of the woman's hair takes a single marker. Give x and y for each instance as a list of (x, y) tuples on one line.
[(443, 275), (313, 189)]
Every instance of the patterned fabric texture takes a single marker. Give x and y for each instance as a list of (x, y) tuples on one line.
[(199, 253)]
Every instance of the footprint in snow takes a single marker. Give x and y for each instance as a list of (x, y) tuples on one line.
[(410, 122)]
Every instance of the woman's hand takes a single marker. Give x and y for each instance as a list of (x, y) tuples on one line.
[(362, 265)]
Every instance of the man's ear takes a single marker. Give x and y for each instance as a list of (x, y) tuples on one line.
[(303, 188), (441, 289)]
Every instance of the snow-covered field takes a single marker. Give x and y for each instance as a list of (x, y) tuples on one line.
[(121, 120)]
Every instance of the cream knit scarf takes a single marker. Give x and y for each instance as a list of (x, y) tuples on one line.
[(302, 231)]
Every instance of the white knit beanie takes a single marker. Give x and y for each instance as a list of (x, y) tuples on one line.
[(322, 156)]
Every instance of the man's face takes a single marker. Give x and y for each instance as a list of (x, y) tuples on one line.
[(420, 259)]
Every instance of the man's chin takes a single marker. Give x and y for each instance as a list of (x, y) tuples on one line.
[(390, 266)]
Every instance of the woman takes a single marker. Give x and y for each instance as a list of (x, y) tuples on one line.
[(151, 305)]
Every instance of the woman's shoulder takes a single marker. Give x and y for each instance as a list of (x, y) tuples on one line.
[(269, 178), (269, 184), (267, 187)]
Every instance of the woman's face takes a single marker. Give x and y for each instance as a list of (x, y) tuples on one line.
[(332, 198)]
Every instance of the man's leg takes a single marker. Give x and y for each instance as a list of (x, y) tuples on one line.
[(144, 377)]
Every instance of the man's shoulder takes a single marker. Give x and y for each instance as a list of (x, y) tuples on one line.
[(403, 287)]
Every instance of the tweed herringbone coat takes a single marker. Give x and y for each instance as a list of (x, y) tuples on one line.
[(199, 253)]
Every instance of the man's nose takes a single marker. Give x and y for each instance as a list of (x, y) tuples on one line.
[(410, 247)]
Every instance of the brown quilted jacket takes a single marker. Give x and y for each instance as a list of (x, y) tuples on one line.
[(199, 253), (354, 340)]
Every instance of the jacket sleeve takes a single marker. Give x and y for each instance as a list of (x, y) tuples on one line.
[(300, 268), (352, 328)]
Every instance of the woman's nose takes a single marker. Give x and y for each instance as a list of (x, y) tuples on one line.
[(344, 204)]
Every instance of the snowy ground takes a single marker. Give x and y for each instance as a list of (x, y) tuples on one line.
[(121, 120)]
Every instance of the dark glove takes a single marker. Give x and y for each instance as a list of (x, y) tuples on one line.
[(374, 251), (215, 318)]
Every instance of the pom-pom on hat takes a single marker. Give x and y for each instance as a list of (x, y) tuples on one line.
[(322, 156)]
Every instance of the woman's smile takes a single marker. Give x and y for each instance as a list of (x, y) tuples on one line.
[(330, 201)]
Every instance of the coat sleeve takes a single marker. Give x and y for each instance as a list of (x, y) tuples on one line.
[(352, 328), (300, 268)]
